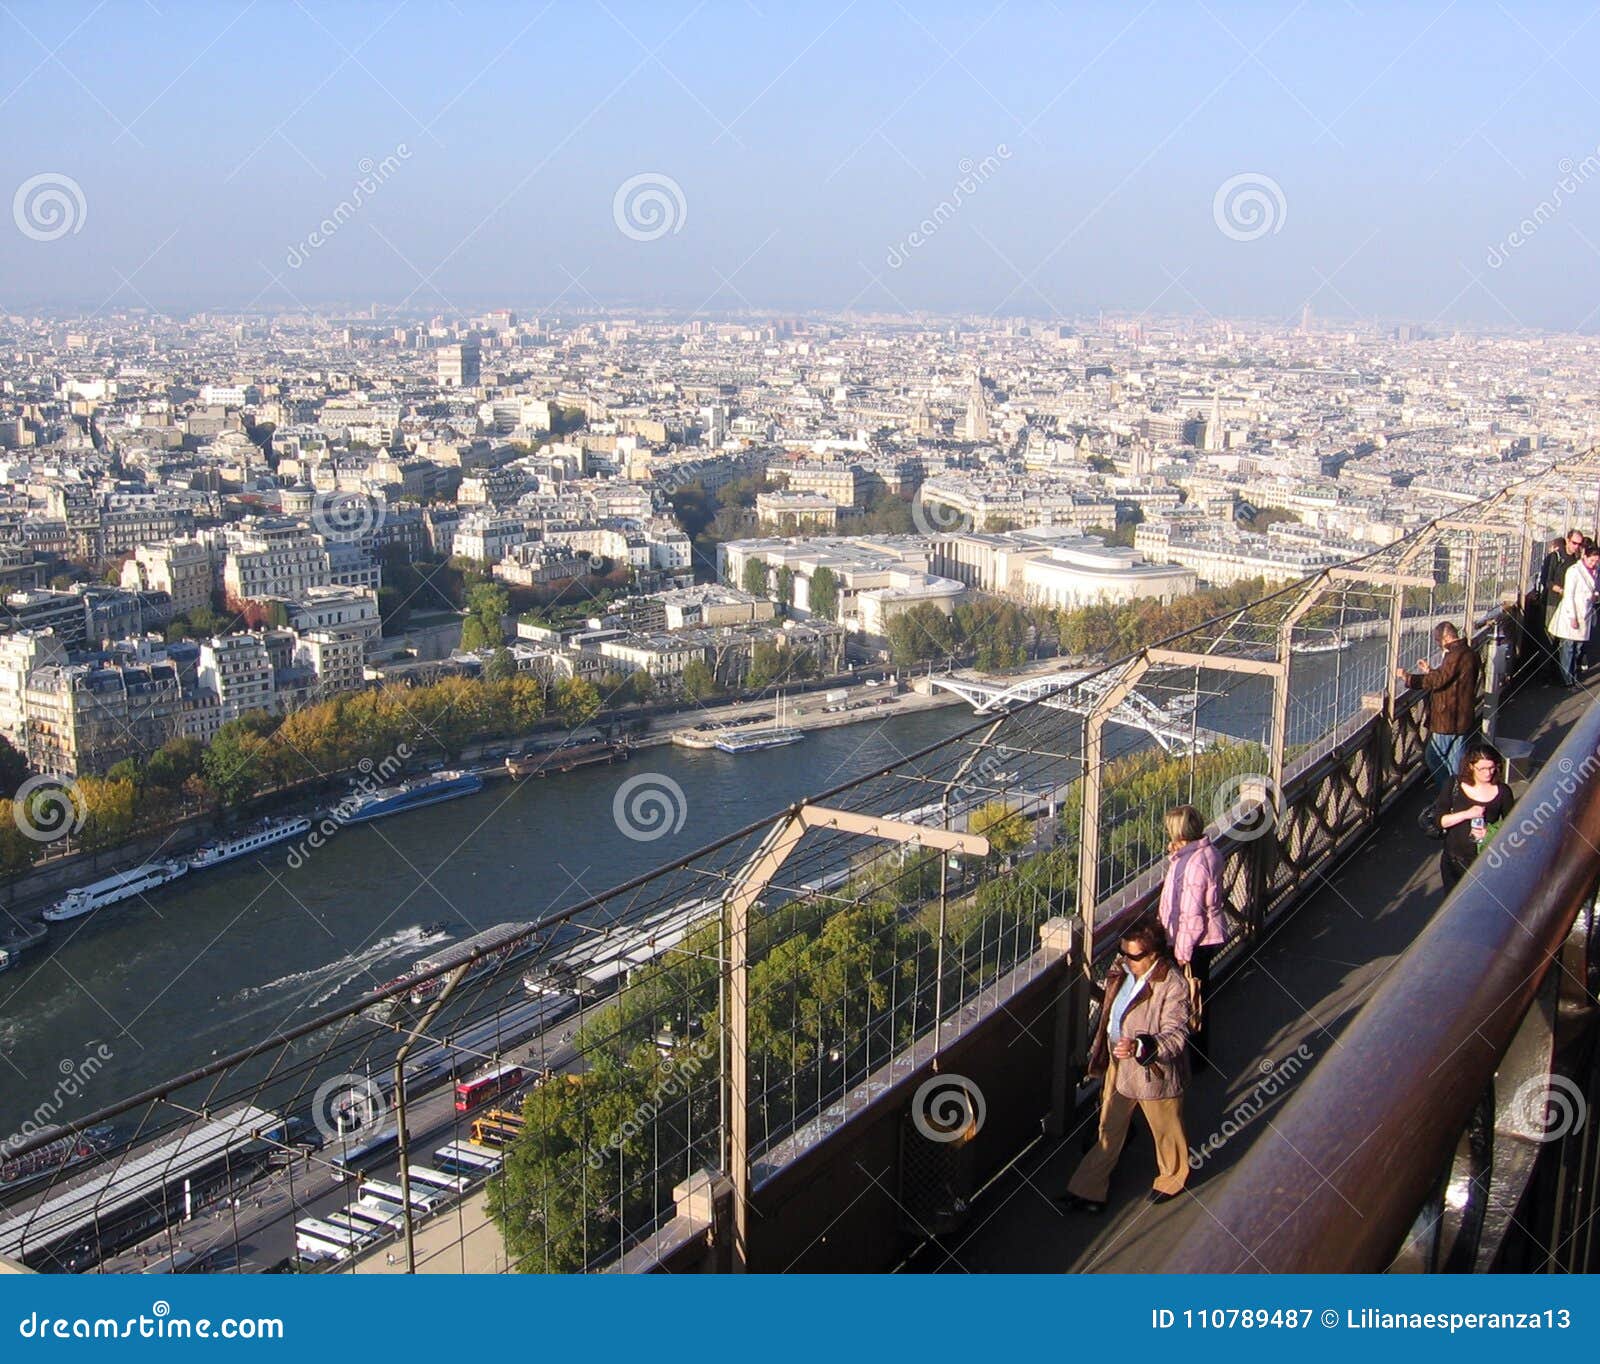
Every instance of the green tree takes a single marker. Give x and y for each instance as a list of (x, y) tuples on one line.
[(786, 585), (699, 683), (17, 850), (755, 577), (127, 770), (13, 769), (824, 595), (766, 666), (1006, 828), (577, 701), (488, 603), (239, 761), (473, 635), (502, 667)]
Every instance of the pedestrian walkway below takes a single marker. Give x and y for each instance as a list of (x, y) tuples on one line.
[(1275, 1017)]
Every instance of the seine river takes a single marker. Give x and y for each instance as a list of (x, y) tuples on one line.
[(227, 956)]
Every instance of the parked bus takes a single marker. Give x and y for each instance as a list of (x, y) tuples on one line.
[(482, 1088), (365, 1230), (354, 1156), (436, 1179), (469, 1160), (380, 1216), (496, 1129), (319, 1240), (422, 1199)]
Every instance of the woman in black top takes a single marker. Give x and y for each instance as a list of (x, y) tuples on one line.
[(1468, 809)]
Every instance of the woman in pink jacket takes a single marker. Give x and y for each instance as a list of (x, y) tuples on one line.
[(1191, 908)]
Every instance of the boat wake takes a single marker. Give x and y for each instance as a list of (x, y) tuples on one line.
[(332, 977)]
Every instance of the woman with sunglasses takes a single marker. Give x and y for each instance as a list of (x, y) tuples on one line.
[(1141, 1052), (1469, 808)]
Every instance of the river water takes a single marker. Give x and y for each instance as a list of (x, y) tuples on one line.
[(231, 955)]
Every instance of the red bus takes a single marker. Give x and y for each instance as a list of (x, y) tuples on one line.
[(490, 1085)]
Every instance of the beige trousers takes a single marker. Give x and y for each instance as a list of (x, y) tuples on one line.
[(1092, 1179)]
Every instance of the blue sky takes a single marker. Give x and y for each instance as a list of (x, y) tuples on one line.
[(1395, 147)]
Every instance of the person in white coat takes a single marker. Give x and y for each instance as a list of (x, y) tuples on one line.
[(1573, 618)]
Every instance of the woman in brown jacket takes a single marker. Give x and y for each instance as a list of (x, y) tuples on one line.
[(1141, 1050)]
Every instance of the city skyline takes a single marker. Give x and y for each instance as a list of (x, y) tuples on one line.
[(1420, 165)]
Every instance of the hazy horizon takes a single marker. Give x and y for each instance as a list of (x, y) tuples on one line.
[(1438, 165)]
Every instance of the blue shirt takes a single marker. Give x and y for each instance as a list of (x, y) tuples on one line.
[(1119, 1006)]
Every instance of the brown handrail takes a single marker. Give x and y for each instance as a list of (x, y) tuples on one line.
[(1336, 1183)]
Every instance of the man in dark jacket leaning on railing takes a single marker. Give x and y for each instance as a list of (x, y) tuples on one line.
[(1141, 1049), (1452, 690)]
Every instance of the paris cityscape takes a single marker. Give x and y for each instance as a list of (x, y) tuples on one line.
[(723, 663)]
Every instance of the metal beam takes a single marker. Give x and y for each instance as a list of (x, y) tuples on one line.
[(1380, 578), (894, 830), (748, 887), (751, 881), (1089, 825), (1181, 658), (402, 1136)]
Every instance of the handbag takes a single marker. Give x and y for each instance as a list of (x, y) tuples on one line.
[(1428, 822), (1197, 1006)]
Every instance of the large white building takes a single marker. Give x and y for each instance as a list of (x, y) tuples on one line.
[(1057, 568)]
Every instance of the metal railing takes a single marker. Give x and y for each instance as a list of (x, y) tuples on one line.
[(688, 1040)]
